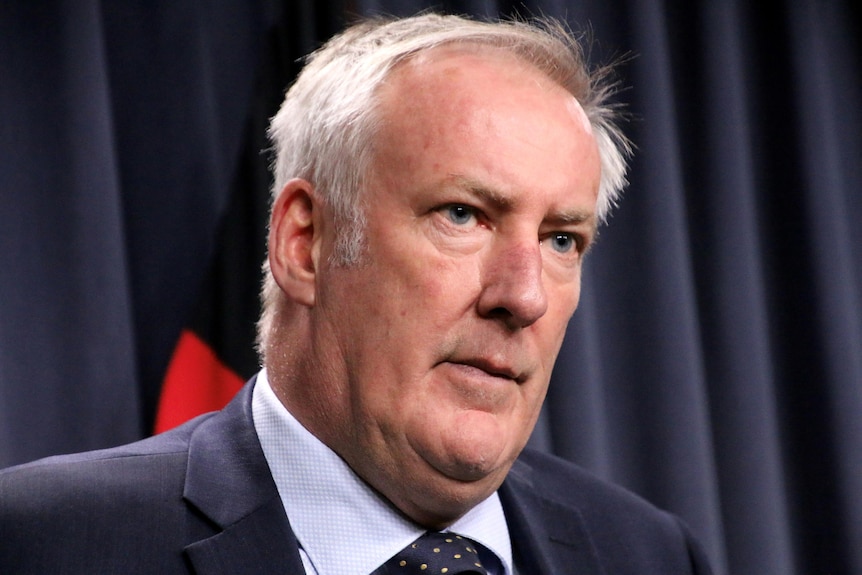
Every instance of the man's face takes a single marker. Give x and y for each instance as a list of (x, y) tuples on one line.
[(439, 345)]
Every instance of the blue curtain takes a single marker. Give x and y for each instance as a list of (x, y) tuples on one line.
[(715, 363)]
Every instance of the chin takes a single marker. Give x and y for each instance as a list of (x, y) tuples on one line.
[(481, 448), (470, 447), (466, 472), (481, 468), (442, 502), (444, 480)]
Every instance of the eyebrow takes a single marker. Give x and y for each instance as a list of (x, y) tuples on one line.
[(505, 203), (574, 217), (484, 193)]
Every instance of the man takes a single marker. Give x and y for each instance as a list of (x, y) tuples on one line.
[(437, 184)]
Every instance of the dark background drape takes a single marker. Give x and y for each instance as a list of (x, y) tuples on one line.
[(715, 363)]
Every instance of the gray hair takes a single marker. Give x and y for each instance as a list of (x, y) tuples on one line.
[(323, 132)]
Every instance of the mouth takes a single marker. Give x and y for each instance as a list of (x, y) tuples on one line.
[(487, 367)]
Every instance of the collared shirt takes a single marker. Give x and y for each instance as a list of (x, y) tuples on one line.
[(343, 526)]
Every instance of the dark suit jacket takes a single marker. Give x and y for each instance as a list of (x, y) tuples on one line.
[(200, 499)]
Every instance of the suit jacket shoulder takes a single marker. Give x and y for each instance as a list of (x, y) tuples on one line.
[(196, 499), (200, 499), (565, 520)]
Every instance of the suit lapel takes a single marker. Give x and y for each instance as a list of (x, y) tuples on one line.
[(251, 545), (228, 481), (548, 538)]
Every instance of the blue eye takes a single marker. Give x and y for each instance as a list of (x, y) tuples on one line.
[(562, 243), (459, 215)]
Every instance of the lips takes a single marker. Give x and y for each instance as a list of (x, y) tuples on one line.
[(489, 367)]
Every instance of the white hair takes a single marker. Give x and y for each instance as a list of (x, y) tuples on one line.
[(324, 130)]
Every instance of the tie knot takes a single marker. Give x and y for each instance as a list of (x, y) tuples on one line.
[(436, 554)]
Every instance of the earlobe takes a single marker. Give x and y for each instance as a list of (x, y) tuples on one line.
[(293, 247)]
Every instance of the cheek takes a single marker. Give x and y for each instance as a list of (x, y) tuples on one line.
[(552, 327), (534, 402), (435, 290), (567, 297)]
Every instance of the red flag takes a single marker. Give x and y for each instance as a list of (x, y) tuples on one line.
[(197, 381)]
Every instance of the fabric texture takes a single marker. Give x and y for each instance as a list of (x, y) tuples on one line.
[(437, 553), (714, 365), (200, 499), (343, 525)]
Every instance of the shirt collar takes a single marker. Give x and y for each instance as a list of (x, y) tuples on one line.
[(342, 524)]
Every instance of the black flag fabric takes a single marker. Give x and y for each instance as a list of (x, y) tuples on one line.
[(134, 190), (215, 354)]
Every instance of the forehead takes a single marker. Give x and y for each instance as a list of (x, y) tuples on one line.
[(484, 113), (458, 77), (464, 60)]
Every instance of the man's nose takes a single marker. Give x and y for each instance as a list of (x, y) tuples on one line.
[(512, 289)]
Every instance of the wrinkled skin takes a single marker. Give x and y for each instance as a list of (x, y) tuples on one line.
[(425, 366)]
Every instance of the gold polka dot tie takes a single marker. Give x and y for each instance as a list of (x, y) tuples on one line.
[(436, 554)]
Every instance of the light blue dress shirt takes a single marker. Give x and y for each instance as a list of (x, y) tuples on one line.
[(343, 526)]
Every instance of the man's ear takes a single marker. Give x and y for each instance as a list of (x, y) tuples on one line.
[(294, 241)]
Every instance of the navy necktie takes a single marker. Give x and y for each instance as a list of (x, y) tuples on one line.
[(440, 554)]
